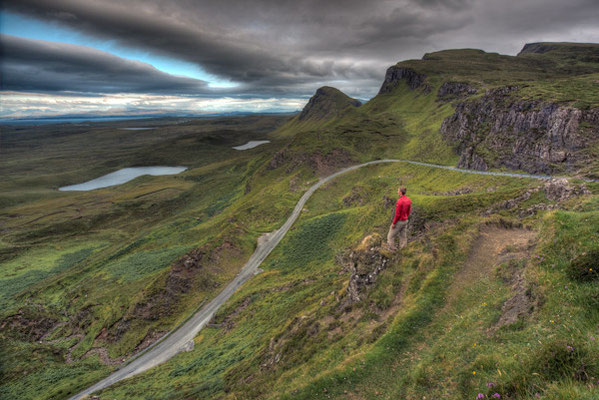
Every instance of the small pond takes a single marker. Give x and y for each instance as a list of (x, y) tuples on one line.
[(251, 144), (122, 176)]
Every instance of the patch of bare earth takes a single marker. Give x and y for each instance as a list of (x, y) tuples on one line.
[(29, 325), (524, 300), (508, 247), (495, 244)]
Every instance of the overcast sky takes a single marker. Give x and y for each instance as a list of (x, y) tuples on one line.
[(195, 56)]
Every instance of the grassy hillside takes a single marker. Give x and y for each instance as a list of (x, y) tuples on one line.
[(430, 320), (408, 117), (100, 271), (496, 286)]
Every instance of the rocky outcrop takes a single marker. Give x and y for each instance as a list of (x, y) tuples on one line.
[(451, 90), (327, 103), (560, 189), (397, 74), (499, 130), (364, 263), (28, 324), (556, 190), (280, 158), (326, 164)]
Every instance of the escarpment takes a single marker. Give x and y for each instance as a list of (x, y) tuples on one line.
[(500, 130), (396, 74)]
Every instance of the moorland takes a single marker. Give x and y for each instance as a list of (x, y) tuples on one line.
[(496, 292)]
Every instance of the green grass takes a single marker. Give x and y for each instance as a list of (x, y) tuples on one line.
[(418, 352), (86, 259), (57, 381), (437, 357), (579, 91), (284, 300), (34, 267), (142, 263), (308, 244)]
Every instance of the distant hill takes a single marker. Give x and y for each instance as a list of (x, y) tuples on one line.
[(583, 51), (326, 103)]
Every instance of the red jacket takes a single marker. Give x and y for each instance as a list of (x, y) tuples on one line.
[(402, 209)]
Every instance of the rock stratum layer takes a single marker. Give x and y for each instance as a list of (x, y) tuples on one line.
[(396, 74), (537, 112), (500, 130)]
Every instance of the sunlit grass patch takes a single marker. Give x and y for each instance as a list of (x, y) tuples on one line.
[(37, 265), (308, 243), (140, 264)]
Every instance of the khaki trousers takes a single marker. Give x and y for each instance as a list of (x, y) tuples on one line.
[(401, 227)]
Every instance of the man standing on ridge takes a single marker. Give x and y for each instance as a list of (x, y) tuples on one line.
[(400, 221)]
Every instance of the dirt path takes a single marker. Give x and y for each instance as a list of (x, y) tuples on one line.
[(493, 245)]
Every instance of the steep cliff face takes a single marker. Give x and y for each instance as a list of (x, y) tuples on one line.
[(396, 74), (500, 130), (326, 103)]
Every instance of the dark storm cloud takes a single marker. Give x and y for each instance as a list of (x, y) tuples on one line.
[(282, 47), (36, 65), (273, 46)]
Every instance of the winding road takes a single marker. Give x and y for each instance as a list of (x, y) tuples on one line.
[(181, 338)]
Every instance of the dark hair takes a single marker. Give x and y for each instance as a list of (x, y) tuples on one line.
[(403, 190)]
